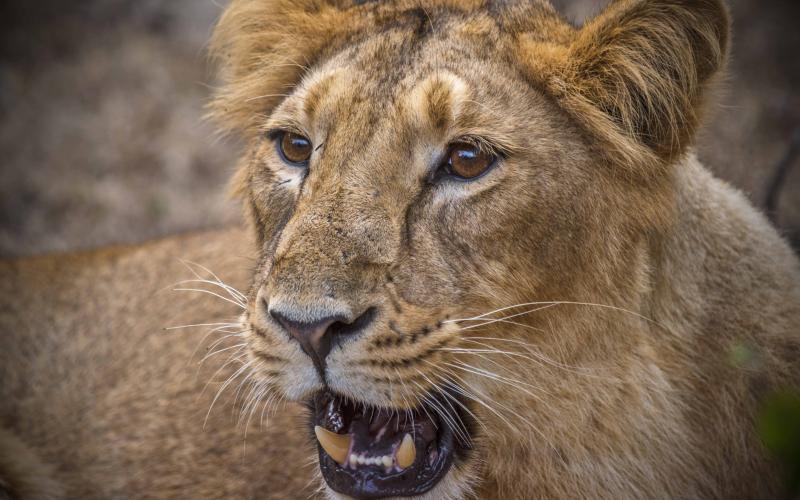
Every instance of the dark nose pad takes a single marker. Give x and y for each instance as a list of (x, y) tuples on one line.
[(316, 338)]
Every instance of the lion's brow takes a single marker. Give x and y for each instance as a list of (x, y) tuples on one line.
[(318, 88), (438, 100)]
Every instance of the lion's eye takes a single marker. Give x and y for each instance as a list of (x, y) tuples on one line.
[(294, 148), (468, 161)]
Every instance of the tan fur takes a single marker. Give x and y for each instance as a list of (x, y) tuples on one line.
[(24, 475), (628, 387), (113, 404)]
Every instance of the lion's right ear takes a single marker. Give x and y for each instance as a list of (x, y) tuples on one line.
[(637, 75), (263, 48)]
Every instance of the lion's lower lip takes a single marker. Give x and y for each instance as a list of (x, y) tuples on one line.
[(377, 463)]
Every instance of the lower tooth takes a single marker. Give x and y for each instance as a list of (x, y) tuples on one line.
[(407, 452), (386, 461)]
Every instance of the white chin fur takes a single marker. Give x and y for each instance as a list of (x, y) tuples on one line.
[(301, 383)]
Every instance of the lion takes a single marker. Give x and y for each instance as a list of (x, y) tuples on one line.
[(481, 261)]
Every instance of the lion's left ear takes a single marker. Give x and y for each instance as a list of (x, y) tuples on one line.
[(636, 75)]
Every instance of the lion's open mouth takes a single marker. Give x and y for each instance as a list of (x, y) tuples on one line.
[(368, 452)]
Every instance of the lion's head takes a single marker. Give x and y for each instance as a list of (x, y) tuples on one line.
[(450, 199)]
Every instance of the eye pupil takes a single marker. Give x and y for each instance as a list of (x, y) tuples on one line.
[(295, 148), (468, 161)]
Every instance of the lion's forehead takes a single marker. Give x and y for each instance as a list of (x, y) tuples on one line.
[(394, 107), (383, 67)]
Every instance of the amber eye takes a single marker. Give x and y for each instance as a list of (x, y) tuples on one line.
[(294, 148), (468, 161)]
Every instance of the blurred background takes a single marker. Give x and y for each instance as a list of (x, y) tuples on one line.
[(102, 136)]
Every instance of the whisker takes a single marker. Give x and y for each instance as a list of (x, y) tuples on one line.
[(223, 329), (258, 391), (237, 346), (189, 263), (235, 357), (498, 378), (480, 401), (234, 294), (484, 315), (461, 428), (248, 379), (262, 389), (226, 299), (513, 412), (459, 403), (200, 324), (225, 337), (541, 358), (480, 353), (507, 318), (275, 399), (409, 412), (459, 390), (556, 303), (236, 374), (443, 414)]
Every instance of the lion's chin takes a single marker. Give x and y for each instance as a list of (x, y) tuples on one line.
[(454, 485), (368, 452)]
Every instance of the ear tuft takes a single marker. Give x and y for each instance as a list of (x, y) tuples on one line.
[(637, 75), (263, 48)]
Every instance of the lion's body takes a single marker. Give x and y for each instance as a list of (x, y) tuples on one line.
[(111, 403), (609, 316)]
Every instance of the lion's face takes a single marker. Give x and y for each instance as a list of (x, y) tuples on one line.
[(377, 246), (417, 195)]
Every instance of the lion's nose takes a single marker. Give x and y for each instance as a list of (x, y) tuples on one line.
[(313, 336), (317, 337)]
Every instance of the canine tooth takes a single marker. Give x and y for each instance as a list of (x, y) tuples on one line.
[(386, 461), (335, 445), (407, 452)]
